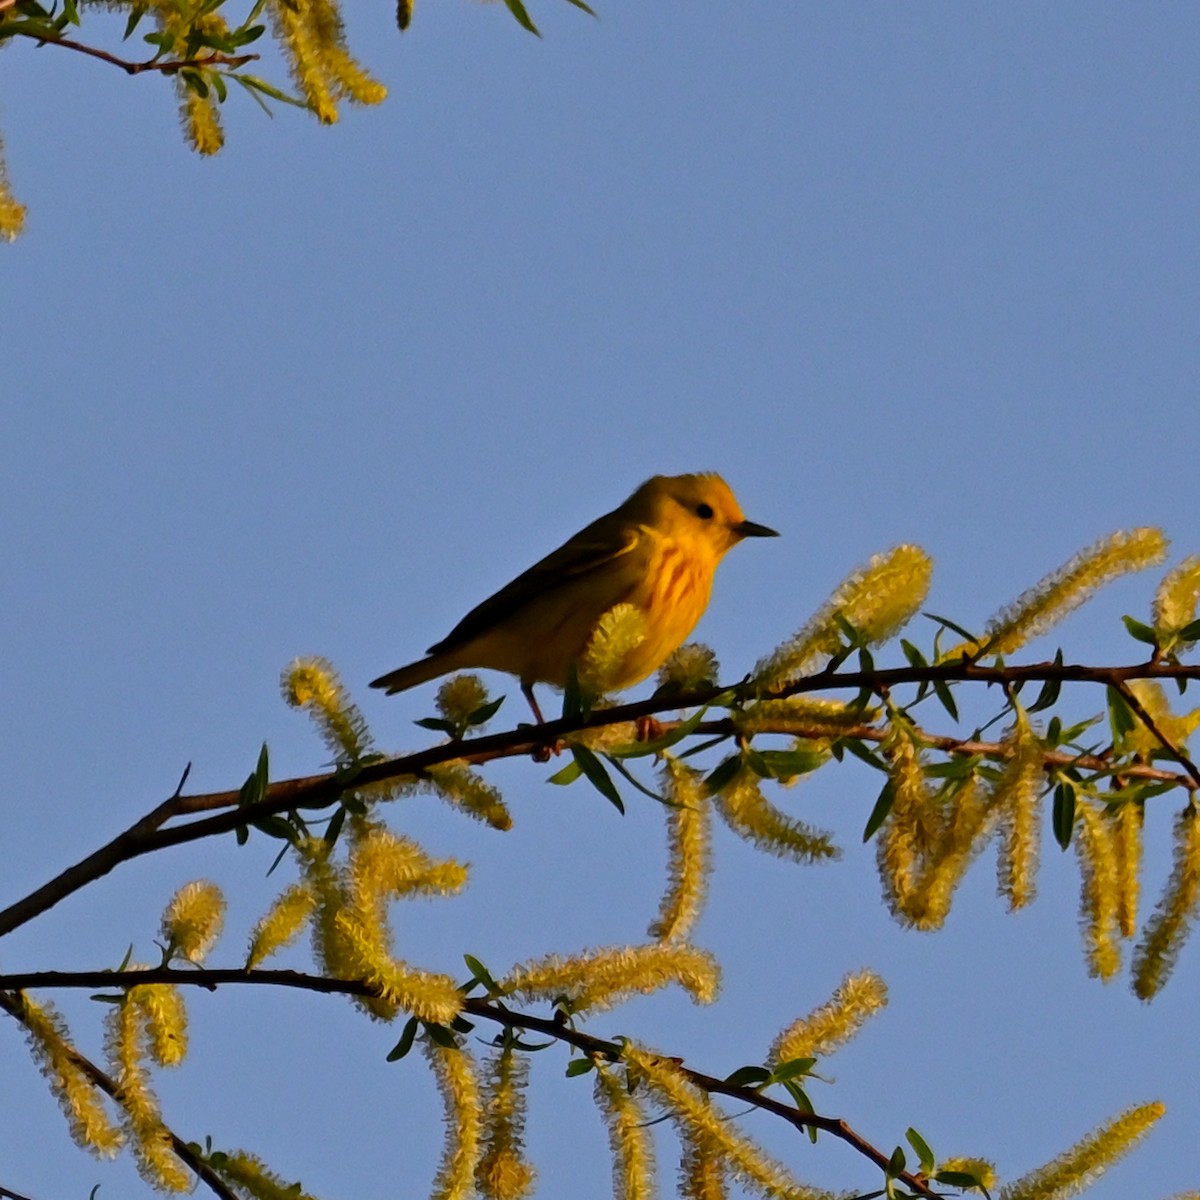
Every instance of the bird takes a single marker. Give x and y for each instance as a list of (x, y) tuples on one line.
[(657, 552)]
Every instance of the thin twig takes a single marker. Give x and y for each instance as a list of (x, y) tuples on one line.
[(489, 1010), (1143, 714), (164, 66), (12, 1005)]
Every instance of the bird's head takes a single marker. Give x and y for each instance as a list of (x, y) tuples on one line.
[(702, 507)]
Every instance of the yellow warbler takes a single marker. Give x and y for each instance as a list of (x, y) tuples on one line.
[(657, 552)]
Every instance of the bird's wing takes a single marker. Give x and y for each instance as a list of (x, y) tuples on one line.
[(600, 543)]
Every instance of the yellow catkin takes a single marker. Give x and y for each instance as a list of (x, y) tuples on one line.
[(753, 817), (165, 1014), (969, 823), (1127, 819), (1087, 1160), (915, 824), (149, 1138), (877, 599), (192, 920), (1099, 893), (82, 1103), (384, 865), (282, 923), (701, 1171), (1175, 727), (807, 716), (855, 1000), (247, 1173), (692, 1109), (331, 947), (1063, 590), (293, 30), (425, 994), (628, 1136), (604, 662), (467, 791), (459, 697), (12, 214), (1175, 600), (603, 978), (348, 77), (1162, 939), (454, 1071), (313, 684), (202, 123), (693, 665), (1016, 798), (981, 1168), (503, 1172), (688, 864)]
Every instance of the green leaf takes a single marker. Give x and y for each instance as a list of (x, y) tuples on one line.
[(1064, 814), (579, 1066), (914, 656), (334, 828), (404, 1045), (586, 8), (518, 10), (792, 1068), (921, 1146), (71, 12), (597, 776), (949, 624), (275, 826), (723, 774), (1189, 633), (750, 1076), (883, 806), (657, 745), (957, 1179), (441, 1035), (485, 712), (481, 973), (786, 764), (1140, 631), (897, 1162), (942, 690), (438, 725), (248, 34), (860, 751), (1120, 715), (1048, 696), (572, 705), (568, 774), (252, 83), (803, 1103)]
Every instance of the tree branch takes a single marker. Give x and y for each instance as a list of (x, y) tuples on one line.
[(12, 1005), (320, 791), (483, 1009), (164, 66)]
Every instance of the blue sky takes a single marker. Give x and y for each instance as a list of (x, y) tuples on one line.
[(916, 273)]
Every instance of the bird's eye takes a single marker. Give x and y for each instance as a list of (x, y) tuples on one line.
[(704, 511)]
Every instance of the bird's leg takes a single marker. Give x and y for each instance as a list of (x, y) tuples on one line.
[(649, 729), (527, 692), (542, 753)]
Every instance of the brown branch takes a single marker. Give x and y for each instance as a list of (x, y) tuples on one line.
[(164, 66), (488, 1010), (8, 1193), (12, 1005), (148, 834)]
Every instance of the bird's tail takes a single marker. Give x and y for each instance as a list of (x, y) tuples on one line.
[(420, 671)]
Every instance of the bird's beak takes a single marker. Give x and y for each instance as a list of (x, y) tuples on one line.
[(752, 529)]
